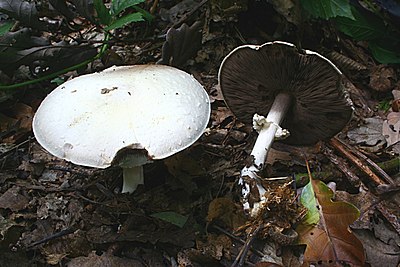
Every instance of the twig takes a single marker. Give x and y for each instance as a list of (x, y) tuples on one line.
[(241, 257), (343, 166), (53, 236), (256, 251), (368, 160), (153, 7), (2, 155), (342, 149), (392, 165)]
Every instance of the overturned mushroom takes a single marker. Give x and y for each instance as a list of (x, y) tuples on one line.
[(127, 115), (298, 89)]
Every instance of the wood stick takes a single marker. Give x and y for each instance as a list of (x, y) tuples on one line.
[(338, 146)]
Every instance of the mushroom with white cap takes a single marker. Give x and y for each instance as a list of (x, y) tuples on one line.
[(298, 89), (127, 115)]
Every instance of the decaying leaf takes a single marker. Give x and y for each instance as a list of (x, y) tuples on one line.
[(290, 9), (184, 168), (5, 225), (382, 78), (391, 128), (73, 245), (220, 115), (225, 211), (85, 8), (369, 133), (13, 200), (225, 10), (177, 11), (62, 7), (23, 11), (216, 246), (325, 229), (21, 48), (377, 251), (103, 260), (396, 92)]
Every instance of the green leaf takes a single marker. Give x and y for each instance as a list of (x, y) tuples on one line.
[(5, 27), (308, 200), (362, 27), (330, 241), (119, 5), (385, 52), (58, 81), (102, 12), (171, 217), (326, 9), (146, 15), (134, 17)]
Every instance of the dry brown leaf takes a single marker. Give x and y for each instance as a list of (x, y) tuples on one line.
[(391, 128), (368, 134), (325, 229), (216, 246), (382, 78), (13, 200), (224, 210), (105, 260)]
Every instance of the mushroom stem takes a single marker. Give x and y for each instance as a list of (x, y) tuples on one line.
[(268, 128), (267, 133), (132, 177)]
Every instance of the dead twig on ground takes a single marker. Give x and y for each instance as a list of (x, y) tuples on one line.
[(338, 145), (241, 257)]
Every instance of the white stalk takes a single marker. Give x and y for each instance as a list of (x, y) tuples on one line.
[(267, 133), (268, 128), (132, 177)]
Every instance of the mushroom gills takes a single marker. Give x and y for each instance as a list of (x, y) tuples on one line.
[(298, 89)]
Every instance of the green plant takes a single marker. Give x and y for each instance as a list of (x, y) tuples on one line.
[(367, 24), (384, 105), (5, 27), (111, 16), (28, 46)]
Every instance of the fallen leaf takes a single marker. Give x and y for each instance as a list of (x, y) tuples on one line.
[(382, 78), (216, 246), (378, 251), (219, 115), (290, 9), (104, 260), (396, 93), (325, 228), (391, 128), (177, 11), (224, 210), (23, 11), (369, 134), (5, 225), (171, 217), (13, 200)]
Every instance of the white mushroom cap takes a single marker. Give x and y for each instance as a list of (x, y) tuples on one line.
[(87, 120)]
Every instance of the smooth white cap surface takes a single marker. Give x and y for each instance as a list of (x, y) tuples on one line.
[(87, 120)]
